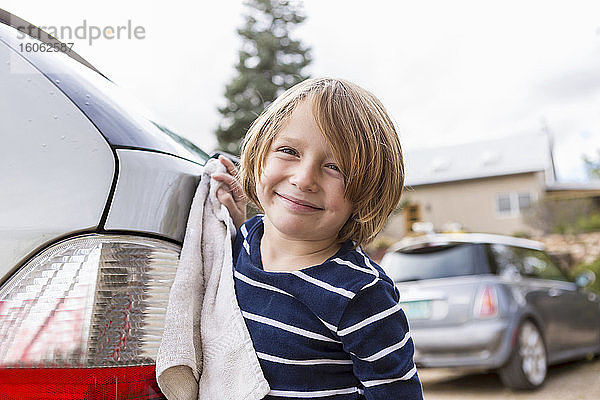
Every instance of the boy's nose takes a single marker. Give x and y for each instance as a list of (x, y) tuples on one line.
[(305, 178)]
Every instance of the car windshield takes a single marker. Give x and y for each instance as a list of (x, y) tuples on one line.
[(430, 262)]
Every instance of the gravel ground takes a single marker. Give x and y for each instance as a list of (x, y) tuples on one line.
[(571, 381)]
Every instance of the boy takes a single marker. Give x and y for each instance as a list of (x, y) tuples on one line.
[(324, 164)]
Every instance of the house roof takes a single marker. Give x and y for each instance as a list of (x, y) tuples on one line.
[(505, 156)]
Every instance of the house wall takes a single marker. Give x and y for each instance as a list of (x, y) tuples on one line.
[(471, 203)]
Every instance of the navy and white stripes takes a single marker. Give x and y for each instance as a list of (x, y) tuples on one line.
[(332, 331)]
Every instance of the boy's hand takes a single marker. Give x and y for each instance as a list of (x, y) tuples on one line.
[(231, 194)]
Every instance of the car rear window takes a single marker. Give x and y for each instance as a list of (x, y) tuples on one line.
[(430, 262)]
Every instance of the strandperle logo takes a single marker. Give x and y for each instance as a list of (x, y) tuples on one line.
[(90, 32)]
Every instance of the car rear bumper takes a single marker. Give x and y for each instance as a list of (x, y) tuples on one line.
[(477, 344)]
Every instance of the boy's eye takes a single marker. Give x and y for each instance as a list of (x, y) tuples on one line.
[(288, 150), (333, 167)]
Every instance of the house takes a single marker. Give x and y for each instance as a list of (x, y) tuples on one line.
[(482, 187)]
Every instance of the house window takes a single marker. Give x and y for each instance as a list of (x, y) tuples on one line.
[(524, 201), (512, 204), (503, 202)]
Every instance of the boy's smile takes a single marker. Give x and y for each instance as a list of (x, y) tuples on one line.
[(301, 188), (298, 204)]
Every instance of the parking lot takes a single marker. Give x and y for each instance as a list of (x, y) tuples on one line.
[(572, 381)]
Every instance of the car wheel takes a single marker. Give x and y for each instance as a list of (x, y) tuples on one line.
[(527, 365)]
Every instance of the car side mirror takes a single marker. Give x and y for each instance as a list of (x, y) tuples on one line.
[(585, 278)]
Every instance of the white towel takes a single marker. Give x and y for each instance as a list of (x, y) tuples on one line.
[(206, 351)]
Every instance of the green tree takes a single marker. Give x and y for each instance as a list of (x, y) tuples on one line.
[(592, 166), (269, 63)]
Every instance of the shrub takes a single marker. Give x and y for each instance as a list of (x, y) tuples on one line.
[(564, 216), (589, 224)]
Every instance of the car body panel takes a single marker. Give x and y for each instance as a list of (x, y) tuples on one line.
[(553, 312), (47, 137), (569, 315), (582, 328), (153, 194)]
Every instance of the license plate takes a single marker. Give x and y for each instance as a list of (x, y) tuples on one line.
[(417, 309)]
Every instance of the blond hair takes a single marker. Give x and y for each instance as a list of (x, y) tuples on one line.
[(363, 140)]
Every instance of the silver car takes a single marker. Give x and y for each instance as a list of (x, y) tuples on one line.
[(492, 302), (93, 208)]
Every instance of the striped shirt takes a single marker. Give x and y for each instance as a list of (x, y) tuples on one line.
[(331, 331)]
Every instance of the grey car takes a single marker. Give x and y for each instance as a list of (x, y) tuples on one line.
[(93, 208), (492, 302)]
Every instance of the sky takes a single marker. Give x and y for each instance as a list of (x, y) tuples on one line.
[(449, 72)]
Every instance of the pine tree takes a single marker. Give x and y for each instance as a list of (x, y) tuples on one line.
[(269, 63)]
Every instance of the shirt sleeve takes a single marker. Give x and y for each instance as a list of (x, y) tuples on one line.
[(374, 331)]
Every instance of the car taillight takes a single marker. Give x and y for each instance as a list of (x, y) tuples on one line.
[(486, 302), (79, 383), (85, 317)]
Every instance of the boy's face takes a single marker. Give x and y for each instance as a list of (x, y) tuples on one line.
[(301, 188)]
